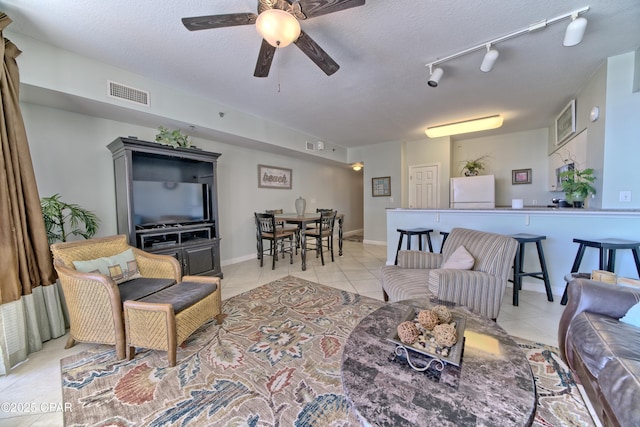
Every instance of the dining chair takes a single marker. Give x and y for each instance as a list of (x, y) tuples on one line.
[(323, 230), (267, 229), (318, 210), (286, 226)]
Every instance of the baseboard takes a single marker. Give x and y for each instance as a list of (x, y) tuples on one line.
[(253, 255), (375, 242), (352, 232), (238, 259), (539, 287)]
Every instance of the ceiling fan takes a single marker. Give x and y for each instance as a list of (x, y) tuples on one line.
[(298, 9)]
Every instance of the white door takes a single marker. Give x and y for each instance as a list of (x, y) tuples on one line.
[(423, 186)]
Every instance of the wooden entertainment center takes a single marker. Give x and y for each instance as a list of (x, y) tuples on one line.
[(193, 237)]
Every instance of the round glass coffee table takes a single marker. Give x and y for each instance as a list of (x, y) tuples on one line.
[(493, 384)]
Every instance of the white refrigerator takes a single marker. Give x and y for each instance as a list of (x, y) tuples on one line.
[(473, 192)]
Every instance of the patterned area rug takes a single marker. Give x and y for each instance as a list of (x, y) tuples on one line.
[(559, 400), (275, 361)]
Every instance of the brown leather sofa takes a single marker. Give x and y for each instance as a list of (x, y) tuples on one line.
[(602, 352)]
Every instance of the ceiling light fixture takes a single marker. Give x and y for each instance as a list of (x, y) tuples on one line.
[(489, 59), (434, 76), (465, 126), (575, 30), (357, 166), (573, 36), (277, 27)]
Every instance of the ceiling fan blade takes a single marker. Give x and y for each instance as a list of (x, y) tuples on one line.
[(265, 57), (316, 54), (312, 8), (218, 21)]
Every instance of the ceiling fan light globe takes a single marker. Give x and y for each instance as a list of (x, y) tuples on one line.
[(277, 27)]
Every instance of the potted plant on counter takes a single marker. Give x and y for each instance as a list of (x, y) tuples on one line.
[(576, 184)]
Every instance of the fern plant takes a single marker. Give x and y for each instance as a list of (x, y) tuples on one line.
[(62, 220)]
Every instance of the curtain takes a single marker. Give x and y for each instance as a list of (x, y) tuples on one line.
[(30, 307)]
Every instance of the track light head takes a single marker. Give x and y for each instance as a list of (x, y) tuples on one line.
[(435, 77), (575, 30), (489, 59)]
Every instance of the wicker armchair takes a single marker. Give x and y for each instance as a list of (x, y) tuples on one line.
[(419, 274), (94, 300)]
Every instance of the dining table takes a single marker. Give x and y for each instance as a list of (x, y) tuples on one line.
[(306, 219)]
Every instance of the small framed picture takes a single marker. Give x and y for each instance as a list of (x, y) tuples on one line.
[(381, 186), (521, 176)]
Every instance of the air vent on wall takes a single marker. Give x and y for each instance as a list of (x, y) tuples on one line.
[(311, 146), (128, 93)]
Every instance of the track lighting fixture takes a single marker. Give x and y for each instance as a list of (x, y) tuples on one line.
[(489, 59), (575, 30), (573, 36), (435, 76)]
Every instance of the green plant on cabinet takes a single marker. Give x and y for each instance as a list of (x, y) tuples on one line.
[(174, 138)]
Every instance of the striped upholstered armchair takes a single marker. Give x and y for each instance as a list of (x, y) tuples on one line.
[(479, 285)]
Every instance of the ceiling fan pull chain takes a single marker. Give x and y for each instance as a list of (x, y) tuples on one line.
[(278, 71)]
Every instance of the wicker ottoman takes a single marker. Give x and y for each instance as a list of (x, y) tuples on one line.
[(163, 320)]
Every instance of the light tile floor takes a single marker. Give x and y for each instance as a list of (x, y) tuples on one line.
[(35, 384)]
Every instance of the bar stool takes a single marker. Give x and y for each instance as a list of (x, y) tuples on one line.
[(410, 233), (444, 235), (607, 259), (518, 262)]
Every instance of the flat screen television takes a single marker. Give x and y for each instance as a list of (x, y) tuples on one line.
[(157, 202)]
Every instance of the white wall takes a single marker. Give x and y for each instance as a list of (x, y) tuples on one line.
[(592, 95), (622, 134), (430, 151), (70, 157), (379, 160), (521, 150)]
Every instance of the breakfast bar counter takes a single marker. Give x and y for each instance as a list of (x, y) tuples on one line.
[(559, 225)]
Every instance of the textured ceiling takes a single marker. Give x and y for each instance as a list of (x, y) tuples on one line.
[(380, 92)]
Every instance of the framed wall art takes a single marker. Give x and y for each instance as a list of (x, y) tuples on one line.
[(381, 186), (521, 176), (566, 122), (274, 177)]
